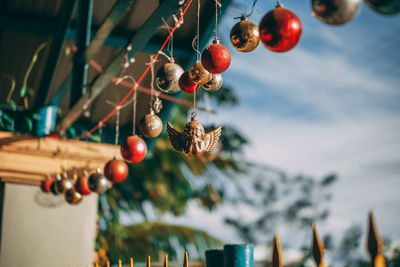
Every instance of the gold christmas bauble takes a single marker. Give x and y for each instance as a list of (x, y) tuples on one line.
[(73, 197), (150, 125), (198, 73), (214, 84), (245, 36)]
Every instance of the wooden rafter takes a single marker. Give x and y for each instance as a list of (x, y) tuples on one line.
[(139, 40)]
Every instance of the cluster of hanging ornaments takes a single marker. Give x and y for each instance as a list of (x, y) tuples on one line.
[(339, 12), (279, 30), (73, 189)]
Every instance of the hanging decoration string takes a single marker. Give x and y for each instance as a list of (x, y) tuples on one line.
[(170, 43), (245, 14), (217, 5), (152, 91), (85, 134), (134, 113), (196, 39)]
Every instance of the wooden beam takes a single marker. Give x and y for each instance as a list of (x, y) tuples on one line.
[(81, 67), (120, 8), (52, 59), (139, 40), (28, 160)]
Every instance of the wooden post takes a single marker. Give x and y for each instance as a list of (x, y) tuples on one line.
[(375, 244)]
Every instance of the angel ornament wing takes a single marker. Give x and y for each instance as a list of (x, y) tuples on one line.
[(193, 140)]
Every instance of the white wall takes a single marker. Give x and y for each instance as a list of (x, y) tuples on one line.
[(41, 230)]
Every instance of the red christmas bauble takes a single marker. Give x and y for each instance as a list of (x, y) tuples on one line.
[(45, 185), (82, 186), (216, 58), (186, 84), (280, 29), (133, 149), (116, 170)]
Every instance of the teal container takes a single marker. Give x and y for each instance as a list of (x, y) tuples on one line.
[(215, 258), (238, 255)]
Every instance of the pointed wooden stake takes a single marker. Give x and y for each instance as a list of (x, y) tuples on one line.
[(185, 260), (131, 262), (119, 263), (108, 263), (166, 260), (97, 264), (276, 252), (148, 261), (318, 249), (375, 244)]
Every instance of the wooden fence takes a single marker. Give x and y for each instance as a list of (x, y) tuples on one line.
[(374, 248)]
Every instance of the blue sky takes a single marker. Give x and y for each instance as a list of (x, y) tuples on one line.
[(332, 104)]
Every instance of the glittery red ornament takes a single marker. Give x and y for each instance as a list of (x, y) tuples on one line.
[(45, 185), (133, 149), (82, 186), (186, 84), (216, 58), (116, 170), (280, 29)]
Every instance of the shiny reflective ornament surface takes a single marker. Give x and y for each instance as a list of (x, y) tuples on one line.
[(336, 12), (150, 125), (280, 29), (193, 140), (73, 197), (64, 184), (133, 149), (214, 84), (46, 184), (186, 84), (53, 189), (385, 7), (116, 170), (82, 186), (167, 77), (216, 58), (198, 73), (245, 35), (98, 183)]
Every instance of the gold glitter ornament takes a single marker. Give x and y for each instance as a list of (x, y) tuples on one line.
[(150, 125)]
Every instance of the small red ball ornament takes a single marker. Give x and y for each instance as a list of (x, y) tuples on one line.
[(280, 29), (81, 185), (116, 170), (133, 149), (216, 58), (186, 84), (45, 185)]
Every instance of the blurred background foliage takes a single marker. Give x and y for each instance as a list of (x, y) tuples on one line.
[(167, 181)]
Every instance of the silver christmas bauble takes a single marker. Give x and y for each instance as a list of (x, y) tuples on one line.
[(336, 12), (98, 183), (214, 84), (167, 77)]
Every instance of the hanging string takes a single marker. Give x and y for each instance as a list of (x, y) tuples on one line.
[(134, 113), (217, 4), (170, 46), (117, 125), (108, 116), (152, 80), (244, 14), (196, 39)]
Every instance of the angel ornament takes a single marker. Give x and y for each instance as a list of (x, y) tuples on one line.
[(193, 140)]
